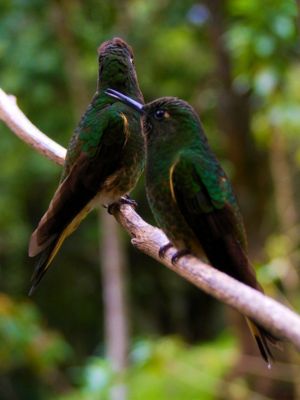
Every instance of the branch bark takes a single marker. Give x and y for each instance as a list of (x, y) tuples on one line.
[(13, 117), (278, 319)]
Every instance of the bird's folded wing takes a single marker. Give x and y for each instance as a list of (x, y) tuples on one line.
[(102, 140), (207, 204), (204, 196)]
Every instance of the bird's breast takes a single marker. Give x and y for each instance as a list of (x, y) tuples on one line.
[(128, 171), (167, 214)]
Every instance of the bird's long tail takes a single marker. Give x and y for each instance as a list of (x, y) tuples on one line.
[(43, 264), (48, 254), (262, 337), (51, 246), (231, 259)]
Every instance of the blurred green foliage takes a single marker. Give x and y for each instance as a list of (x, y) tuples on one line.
[(23, 340), (175, 55), (28, 349), (163, 369)]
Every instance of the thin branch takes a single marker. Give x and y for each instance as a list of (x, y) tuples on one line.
[(26, 131), (275, 317)]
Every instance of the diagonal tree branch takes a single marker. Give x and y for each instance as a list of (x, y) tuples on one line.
[(26, 131), (278, 319)]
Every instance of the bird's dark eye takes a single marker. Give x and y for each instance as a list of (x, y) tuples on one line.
[(159, 114)]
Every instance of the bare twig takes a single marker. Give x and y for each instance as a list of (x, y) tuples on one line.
[(275, 317), (26, 131)]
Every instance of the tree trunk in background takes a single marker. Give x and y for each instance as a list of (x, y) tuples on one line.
[(298, 19), (124, 17), (114, 298), (62, 10), (234, 116), (288, 221), (251, 180), (286, 208), (111, 254)]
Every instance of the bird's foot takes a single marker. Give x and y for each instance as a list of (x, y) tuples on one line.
[(179, 254), (112, 208), (163, 249), (126, 199)]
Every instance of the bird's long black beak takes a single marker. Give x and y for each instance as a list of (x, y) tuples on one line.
[(125, 99)]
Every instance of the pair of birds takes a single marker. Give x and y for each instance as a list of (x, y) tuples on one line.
[(188, 191)]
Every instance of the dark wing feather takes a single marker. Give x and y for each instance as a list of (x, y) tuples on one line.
[(82, 184), (208, 206)]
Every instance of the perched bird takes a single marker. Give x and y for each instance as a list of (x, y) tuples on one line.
[(191, 197), (104, 160)]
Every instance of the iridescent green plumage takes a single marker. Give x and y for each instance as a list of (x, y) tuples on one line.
[(191, 197), (104, 159)]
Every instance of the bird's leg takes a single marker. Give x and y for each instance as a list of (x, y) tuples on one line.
[(126, 199), (111, 208), (163, 249), (179, 254)]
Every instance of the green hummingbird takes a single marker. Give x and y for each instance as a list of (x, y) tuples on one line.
[(104, 159), (191, 197)]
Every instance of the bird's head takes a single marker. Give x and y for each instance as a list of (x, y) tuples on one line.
[(116, 65), (116, 49), (167, 119)]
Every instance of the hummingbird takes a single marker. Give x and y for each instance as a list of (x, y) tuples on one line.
[(191, 197), (104, 160)]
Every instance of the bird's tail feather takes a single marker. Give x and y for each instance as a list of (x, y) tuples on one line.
[(47, 255), (233, 260), (43, 264), (262, 337)]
